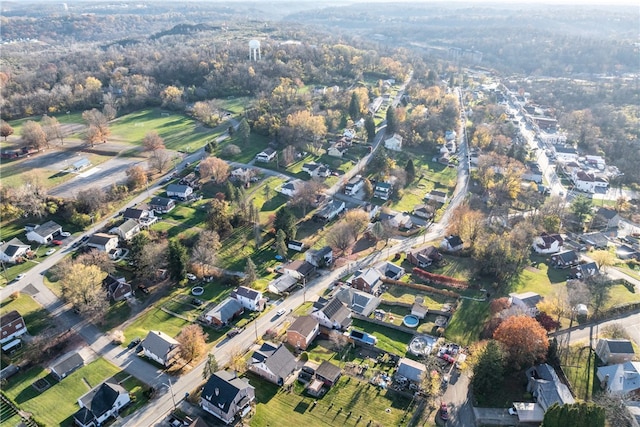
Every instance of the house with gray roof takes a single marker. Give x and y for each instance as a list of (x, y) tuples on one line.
[(526, 301), (103, 242), (331, 314), (180, 191), (273, 362), (13, 250), (319, 258), (411, 370), (162, 204), (328, 373), (614, 351), (225, 312), (391, 270), (329, 211), (160, 347), (226, 396), (367, 280), (66, 365), (100, 404), (44, 233), (128, 229), (357, 301), (622, 379), (249, 298), (282, 284), (584, 271), (302, 332), (546, 387), (608, 217)]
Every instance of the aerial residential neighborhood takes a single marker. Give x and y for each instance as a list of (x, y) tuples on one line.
[(263, 215)]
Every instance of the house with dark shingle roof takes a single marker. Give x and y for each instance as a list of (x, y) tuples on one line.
[(614, 351), (103, 242), (224, 312), (273, 362), (117, 287), (328, 373), (162, 204), (12, 250), (302, 332), (548, 243), (226, 396), (332, 314), (100, 404), (44, 233), (583, 271), (367, 280), (66, 365), (609, 217), (160, 347), (322, 257), (526, 301), (12, 327), (452, 243), (547, 389), (565, 259), (299, 269), (249, 298), (424, 257)]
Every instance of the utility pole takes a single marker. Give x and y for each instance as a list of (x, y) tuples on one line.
[(173, 398)]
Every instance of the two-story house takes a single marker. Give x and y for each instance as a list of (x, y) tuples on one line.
[(179, 191), (565, 259), (366, 280), (393, 143), (548, 243), (319, 258), (354, 185), (226, 396), (382, 190), (302, 332), (331, 314), (273, 362), (249, 298), (12, 327), (128, 229), (266, 155), (100, 404), (160, 347), (329, 211)]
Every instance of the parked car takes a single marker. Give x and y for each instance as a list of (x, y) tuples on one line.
[(444, 411), (233, 332), (144, 289), (447, 357), (56, 242), (49, 252), (84, 238), (65, 234), (19, 277), (191, 276), (280, 312), (513, 411), (134, 342)]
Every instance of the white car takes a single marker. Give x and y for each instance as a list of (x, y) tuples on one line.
[(19, 277), (49, 252), (513, 411), (280, 312), (65, 234), (191, 276)]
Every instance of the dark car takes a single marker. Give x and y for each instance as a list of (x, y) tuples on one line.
[(144, 289), (84, 238), (197, 302), (134, 342), (444, 411), (233, 332)]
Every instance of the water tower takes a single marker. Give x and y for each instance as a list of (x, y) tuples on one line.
[(254, 50)]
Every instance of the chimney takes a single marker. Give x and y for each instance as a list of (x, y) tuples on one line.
[(217, 391)]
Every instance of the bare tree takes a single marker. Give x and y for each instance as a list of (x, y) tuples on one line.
[(205, 251), (307, 194), (160, 160), (153, 141), (340, 236), (98, 126), (98, 258), (51, 128), (152, 259)]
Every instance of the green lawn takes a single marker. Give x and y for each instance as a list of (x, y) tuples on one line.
[(57, 404), (348, 403), (70, 118), (235, 105), (256, 144), (35, 316), (154, 319), (580, 373), (390, 340), (408, 296), (467, 322)]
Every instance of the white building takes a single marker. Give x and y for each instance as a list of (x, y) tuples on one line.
[(44, 233), (393, 143)]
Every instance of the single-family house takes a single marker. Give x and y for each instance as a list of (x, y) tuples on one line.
[(100, 404), (370, 209), (331, 314), (382, 190), (452, 243), (375, 105), (135, 214), (103, 242), (398, 220), (608, 217), (622, 379), (329, 211), (526, 301), (191, 179), (547, 389), (588, 182), (249, 298), (44, 233), (266, 156), (295, 245), (625, 252), (532, 173), (299, 269), (66, 365), (179, 191), (596, 240), (160, 347), (291, 188), (328, 373), (225, 312), (349, 133), (391, 270), (548, 243), (437, 196), (162, 204), (357, 301), (612, 351), (424, 211), (302, 332), (565, 259), (338, 149), (282, 284), (12, 327), (393, 143), (354, 185), (243, 174), (584, 271), (273, 362), (128, 229), (424, 257), (13, 250), (316, 170), (367, 280), (595, 161), (117, 287), (565, 154), (444, 158), (226, 396), (319, 258), (411, 370)]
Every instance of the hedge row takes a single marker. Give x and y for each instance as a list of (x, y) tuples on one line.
[(439, 279), (425, 288)]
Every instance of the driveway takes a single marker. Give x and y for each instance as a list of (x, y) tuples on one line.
[(458, 399)]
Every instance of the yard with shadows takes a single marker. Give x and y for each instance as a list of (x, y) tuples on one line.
[(35, 316)]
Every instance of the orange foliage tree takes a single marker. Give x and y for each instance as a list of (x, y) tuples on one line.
[(524, 339)]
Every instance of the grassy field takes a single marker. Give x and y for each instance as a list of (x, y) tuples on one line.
[(35, 316), (467, 322), (154, 319), (390, 340), (408, 296), (350, 402), (57, 404), (580, 373)]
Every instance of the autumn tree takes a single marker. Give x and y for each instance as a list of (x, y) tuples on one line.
[(82, 287), (136, 177), (172, 97), (555, 304), (210, 366), (488, 371), (152, 141), (466, 223), (603, 259), (160, 160), (98, 126), (98, 258), (381, 230), (215, 168), (178, 260), (340, 236), (33, 135), (358, 220), (5, 129), (524, 340), (307, 194), (303, 126), (193, 342), (250, 273), (205, 251), (152, 260), (52, 128)]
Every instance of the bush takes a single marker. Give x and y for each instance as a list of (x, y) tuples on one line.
[(231, 150), (304, 356)]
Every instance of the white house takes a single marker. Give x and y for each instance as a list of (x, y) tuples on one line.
[(282, 284), (548, 243), (322, 257), (452, 243), (354, 185), (291, 188), (128, 229), (266, 156), (382, 190), (160, 347), (588, 182), (44, 233), (12, 250), (612, 351), (621, 379), (243, 174), (393, 143), (349, 133), (249, 298), (316, 170), (566, 154), (526, 301), (273, 362), (12, 327), (100, 404), (331, 314), (437, 196), (552, 138), (103, 242), (329, 211), (180, 191), (450, 135)]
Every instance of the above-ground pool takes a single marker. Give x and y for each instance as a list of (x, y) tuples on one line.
[(197, 290), (421, 345), (410, 321)]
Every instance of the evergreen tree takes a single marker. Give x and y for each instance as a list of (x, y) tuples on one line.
[(178, 260), (250, 274), (488, 371), (210, 366), (370, 127), (392, 120), (286, 221), (281, 244), (354, 107), (244, 131), (410, 170)]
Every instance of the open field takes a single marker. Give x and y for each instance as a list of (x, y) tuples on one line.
[(350, 402), (57, 404), (154, 319), (467, 322), (390, 340), (35, 316)]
